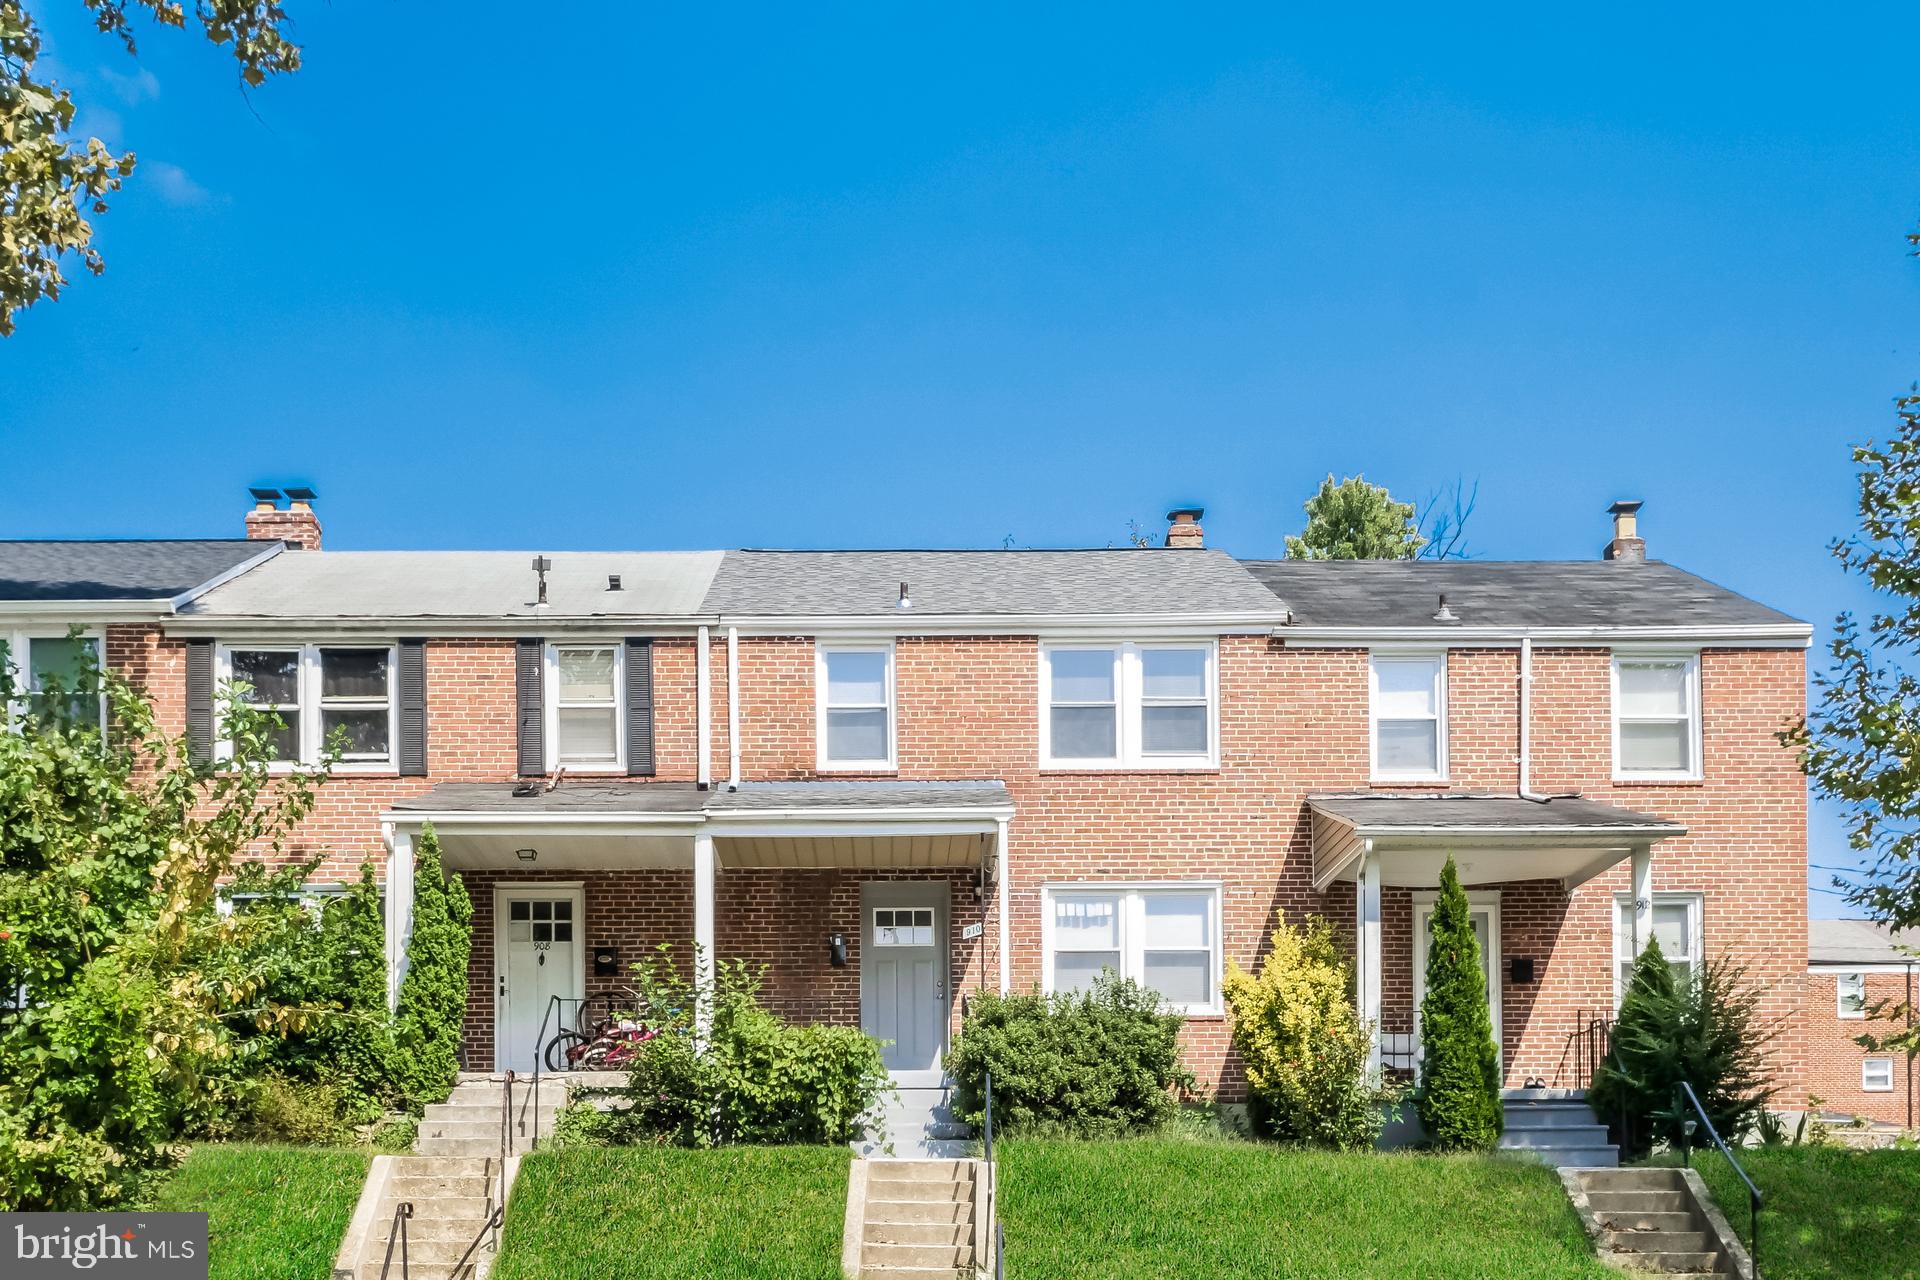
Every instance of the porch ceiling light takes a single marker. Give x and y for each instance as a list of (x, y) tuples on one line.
[(526, 855)]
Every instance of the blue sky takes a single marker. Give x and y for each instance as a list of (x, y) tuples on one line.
[(839, 275)]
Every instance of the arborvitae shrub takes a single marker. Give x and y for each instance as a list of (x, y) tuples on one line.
[(1459, 1092)]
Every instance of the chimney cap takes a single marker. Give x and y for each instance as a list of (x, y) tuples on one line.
[(302, 495), (1625, 507), (1191, 513), (265, 495)]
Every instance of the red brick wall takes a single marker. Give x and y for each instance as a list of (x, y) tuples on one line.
[(1833, 1059)]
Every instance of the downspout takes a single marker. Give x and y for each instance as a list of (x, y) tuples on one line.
[(733, 708), (703, 732), (1525, 789)]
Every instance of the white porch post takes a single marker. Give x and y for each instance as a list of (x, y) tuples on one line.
[(1642, 890), (703, 873), (1002, 877), (1367, 931), (399, 908)]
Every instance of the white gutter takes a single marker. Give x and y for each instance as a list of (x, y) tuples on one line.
[(733, 708), (703, 713), (1020, 624), (499, 626), (1785, 635)]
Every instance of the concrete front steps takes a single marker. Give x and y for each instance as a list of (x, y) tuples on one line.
[(468, 1122), (1658, 1220), (1556, 1127), (917, 1123), (912, 1220)]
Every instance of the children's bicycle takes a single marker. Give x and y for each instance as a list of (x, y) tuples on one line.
[(611, 1043)]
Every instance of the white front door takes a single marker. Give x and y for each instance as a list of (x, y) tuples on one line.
[(1485, 908), (903, 977), (538, 954)]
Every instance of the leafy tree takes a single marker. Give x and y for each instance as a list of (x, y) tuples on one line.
[(433, 995), (1459, 1094), (1354, 520), (1303, 1043), (127, 993), (50, 180), (1705, 1029)]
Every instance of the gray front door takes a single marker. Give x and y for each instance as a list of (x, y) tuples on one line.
[(903, 976)]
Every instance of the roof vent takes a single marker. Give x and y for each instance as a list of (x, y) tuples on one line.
[(906, 599), (540, 566), (613, 582), (1444, 613)]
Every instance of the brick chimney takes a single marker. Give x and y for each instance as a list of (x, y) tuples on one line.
[(1183, 527), (295, 523), (1627, 543)]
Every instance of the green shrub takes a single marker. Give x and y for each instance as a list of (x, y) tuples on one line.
[(1459, 1094), (760, 1079), (433, 995), (301, 1112), (1704, 1028), (1303, 1043), (1098, 1063)]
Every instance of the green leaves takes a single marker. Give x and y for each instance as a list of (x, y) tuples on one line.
[(1354, 520), (1459, 1093)]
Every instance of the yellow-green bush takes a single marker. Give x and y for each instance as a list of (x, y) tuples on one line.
[(1303, 1043)]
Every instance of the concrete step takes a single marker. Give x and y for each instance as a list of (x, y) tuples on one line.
[(1686, 1264), (417, 1271), (1550, 1115), (484, 1113), (1646, 1220), (927, 1256), (416, 1166), (434, 1251), (458, 1227), (461, 1128), (947, 1233), (471, 1147), (911, 1211), (881, 1188), (1570, 1157), (437, 1208), (1586, 1136), (905, 1273), (1659, 1241), (415, 1187), (923, 1170), (1639, 1202), (1642, 1178)]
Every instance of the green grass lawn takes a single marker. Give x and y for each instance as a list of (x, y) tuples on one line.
[(273, 1213), (1176, 1209), (1830, 1212), (645, 1213)]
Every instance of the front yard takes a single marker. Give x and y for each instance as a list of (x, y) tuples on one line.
[(1831, 1213), (274, 1213), (1174, 1209), (658, 1213)]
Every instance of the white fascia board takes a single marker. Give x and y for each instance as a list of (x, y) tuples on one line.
[(83, 612), (879, 827), (1823, 968), (1796, 635), (476, 822), (904, 813), (1545, 836), (253, 626), (1047, 625)]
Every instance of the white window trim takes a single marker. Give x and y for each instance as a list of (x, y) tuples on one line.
[(1865, 1087), (1127, 692), (1437, 657), (1132, 916), (313, 738), (1840, 994), (550, 706), (1691, 662), (19, 644), (1695, 902), (822, 761)]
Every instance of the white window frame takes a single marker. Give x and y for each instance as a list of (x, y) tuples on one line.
[(313, 737), (1128, 707), (1690, 662), (1132, 922), (1438, 658), (1623, 951), (550, 712), (1840, 1006), (19, 656), (1866, 1084), (824, 762)]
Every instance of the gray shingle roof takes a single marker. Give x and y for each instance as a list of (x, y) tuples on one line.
[(1858, 942), (1006, 583), (118, 569), (759, 797), (464, 584), (1505, 593), (1373, 812)]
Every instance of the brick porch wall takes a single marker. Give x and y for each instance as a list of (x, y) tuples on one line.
[(1833, 1059)]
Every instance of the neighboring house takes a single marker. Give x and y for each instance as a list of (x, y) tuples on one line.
[(899, 777), (1861, 983)]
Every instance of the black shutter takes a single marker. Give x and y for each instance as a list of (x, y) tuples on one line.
[(640, 706), (529, 680), (200, 701), (413, 708)]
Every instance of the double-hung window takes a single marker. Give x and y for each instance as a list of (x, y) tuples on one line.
[(587, 719), (1876, 1075), (1656, 718), (1850, 994), (1408, 698), (56, 676), (319, 698), (1166, 937), (1676, 926), (854, 693), (1137, 706)]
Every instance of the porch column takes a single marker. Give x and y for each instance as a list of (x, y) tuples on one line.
[(399, 908), (1000, 905), (1367, 935), (705, 956), (1641, 887)]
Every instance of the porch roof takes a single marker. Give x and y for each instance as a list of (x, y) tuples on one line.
[(1493, 837)]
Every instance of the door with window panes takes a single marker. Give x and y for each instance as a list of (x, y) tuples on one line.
[(903, 977), (538, 957)]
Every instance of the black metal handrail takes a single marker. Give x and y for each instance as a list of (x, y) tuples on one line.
[(398, 1232), (539, 1054), (993, 1190), (465, 1268), (1754, 1198), (1586, 1048)]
